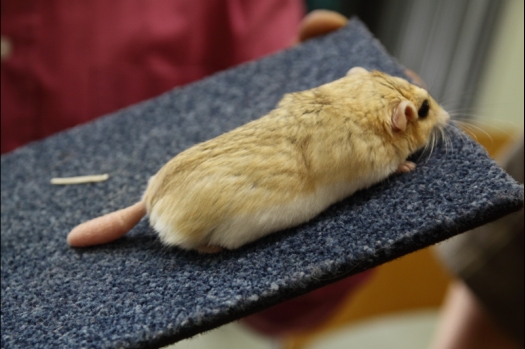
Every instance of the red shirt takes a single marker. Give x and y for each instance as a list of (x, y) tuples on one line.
[(68, 62)]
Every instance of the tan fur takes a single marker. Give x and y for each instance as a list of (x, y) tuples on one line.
[(317, 147)]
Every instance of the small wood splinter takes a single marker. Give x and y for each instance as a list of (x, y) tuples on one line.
[(79, 179)]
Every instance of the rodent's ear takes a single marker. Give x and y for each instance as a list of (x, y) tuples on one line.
[(357, 70), (405, 111)]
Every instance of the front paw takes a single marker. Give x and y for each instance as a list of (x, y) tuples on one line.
[(405, 167)]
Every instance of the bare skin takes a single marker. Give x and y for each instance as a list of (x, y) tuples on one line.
[(320, 22), (114, 225)]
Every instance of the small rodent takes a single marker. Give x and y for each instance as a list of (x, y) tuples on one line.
[(315, 148)]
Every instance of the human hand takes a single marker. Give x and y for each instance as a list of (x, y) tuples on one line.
[(321, 22)]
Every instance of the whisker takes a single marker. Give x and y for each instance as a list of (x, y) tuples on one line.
[(461, 98), (474, 116), (480, 130), (454, 129), (434, 142), (444, 139), (423, 151), (467, 129), (507, 131)]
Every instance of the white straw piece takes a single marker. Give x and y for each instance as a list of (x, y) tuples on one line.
[(79, 179)]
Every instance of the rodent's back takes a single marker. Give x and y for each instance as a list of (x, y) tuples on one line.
[(263, 155), (317, 147), (313, 137), (240, 173)]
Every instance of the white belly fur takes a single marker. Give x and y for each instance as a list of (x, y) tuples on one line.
[(236, 231)]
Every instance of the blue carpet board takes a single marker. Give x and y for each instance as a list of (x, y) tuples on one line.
[(136, 293)]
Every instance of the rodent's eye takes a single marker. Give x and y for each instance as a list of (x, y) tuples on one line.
[(423, 110)]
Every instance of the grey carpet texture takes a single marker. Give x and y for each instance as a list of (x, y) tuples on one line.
[(135, 293)]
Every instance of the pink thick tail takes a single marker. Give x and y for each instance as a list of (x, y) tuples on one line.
[(107, 228)]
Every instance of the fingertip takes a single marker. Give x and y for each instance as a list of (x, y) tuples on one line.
[(320, 22)]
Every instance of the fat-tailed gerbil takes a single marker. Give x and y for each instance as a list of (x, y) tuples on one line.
[(314, 149)]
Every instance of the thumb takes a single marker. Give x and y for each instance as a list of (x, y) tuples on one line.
[(320, 22)]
